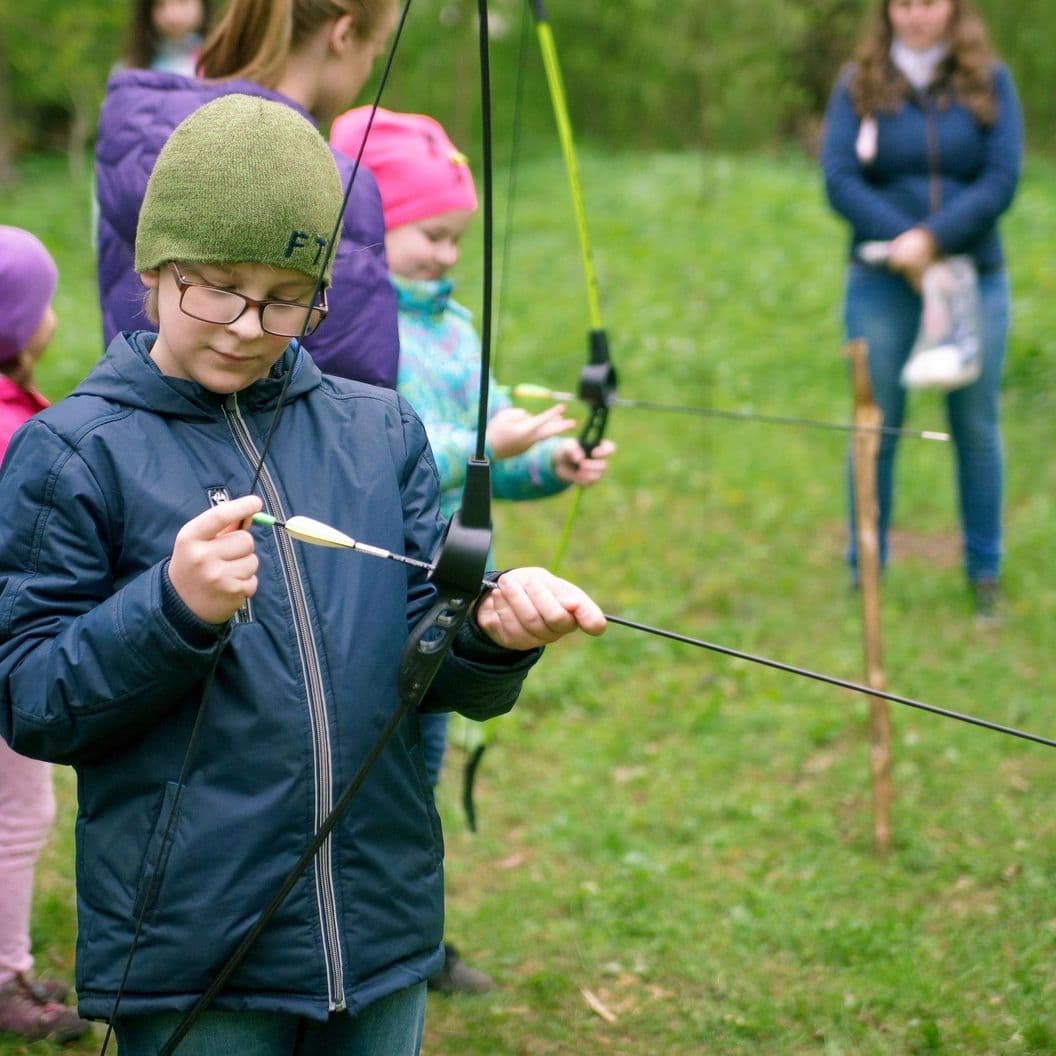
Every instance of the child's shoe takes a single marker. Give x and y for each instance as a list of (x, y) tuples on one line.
[(27, 1011)]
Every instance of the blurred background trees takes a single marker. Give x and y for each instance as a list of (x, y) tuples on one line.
[(724, 75)]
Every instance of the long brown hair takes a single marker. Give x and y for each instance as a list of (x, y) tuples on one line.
[(143, 39), (254, 39), (967, 70)]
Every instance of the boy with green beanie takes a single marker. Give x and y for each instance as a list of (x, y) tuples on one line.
[(137, 609)]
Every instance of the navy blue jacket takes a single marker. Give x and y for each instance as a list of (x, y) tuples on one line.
[(98, 670), (935, 167), (359, 340)]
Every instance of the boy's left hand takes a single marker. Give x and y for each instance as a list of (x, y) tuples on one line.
[(532, 607)]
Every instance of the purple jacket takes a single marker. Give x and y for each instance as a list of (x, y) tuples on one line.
[(359, 339)]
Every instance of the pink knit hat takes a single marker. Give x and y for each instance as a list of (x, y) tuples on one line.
[(27, 283), (419, 171)]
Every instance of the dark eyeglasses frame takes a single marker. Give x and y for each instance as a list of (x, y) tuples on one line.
[(183, 284)]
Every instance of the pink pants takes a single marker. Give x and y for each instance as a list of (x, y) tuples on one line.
[(27, 808)]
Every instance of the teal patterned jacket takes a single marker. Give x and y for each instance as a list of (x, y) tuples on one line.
[(439, 375)]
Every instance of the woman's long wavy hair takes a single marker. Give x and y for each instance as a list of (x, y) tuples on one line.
[(254, 39), (966, 73)]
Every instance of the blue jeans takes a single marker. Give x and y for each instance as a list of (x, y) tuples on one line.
[(883, 308), (392, 1026)]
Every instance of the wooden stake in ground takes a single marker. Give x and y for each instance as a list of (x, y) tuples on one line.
[(865, 445)]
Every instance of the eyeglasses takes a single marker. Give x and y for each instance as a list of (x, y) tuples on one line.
[(210, 304)]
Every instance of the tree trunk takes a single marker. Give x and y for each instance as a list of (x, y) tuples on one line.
[(77, 139)]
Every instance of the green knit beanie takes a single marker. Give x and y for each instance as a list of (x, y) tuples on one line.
[(242, 180)]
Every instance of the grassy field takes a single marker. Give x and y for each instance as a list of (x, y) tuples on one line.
[(675, 850)]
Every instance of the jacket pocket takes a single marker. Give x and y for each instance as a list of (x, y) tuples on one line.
[(152, 872)]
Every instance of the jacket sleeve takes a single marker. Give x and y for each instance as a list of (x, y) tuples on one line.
[(974, 210), (132, 130), (359, 338), (529, 475), (477, 677), (440, 380), (850, 194), (451, 443), (84, 666)]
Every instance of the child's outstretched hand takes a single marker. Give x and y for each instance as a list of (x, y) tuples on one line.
[(572, 465), (513, 430), (213, 566), (532, 607)]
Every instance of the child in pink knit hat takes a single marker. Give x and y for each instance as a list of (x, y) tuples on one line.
[(29, 1008), (428, 200)]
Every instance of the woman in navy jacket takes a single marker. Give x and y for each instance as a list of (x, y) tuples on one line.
[(922, 148)]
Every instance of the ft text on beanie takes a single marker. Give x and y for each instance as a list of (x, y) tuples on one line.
[(419, 171), (27, 283), (242, 180)]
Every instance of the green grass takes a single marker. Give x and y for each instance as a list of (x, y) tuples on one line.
[(687, 838)]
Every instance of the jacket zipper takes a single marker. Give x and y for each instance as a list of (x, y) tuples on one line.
[(311, 670), (934, 180)]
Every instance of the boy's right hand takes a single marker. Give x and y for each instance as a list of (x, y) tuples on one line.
[(213, 566), (513, 430)]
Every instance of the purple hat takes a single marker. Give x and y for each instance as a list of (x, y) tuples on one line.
[(27, 283)]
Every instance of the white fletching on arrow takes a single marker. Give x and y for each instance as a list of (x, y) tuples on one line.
[(309, 530)]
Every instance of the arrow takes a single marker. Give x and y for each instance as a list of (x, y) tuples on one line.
[(540, 392), (309, 530)]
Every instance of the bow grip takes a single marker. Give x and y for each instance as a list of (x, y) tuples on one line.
[(597, 389), (457, 574)]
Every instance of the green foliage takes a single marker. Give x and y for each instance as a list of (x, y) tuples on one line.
[(1024, 43), (59, 56), (722, 74), (680, 839)]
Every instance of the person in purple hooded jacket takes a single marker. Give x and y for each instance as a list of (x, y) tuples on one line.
[(312, 55)]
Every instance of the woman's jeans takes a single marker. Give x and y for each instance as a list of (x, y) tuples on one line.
[(883, 308), (392, 1026)]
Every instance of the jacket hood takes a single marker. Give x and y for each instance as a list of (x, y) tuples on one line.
[(136, 99), (140, 110), (128, 377)]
